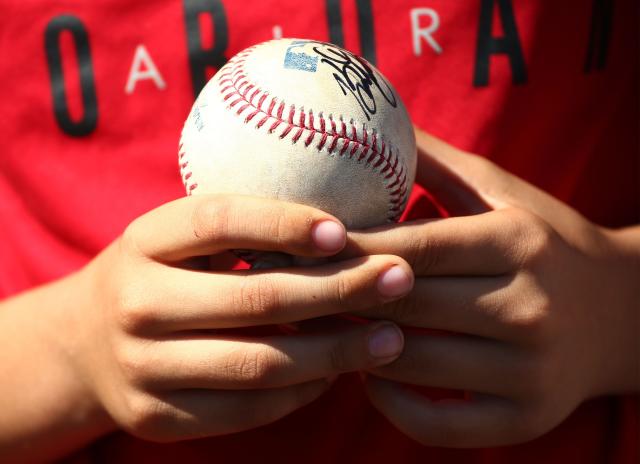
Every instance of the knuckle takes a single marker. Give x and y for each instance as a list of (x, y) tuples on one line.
[(540, 241), (151, 419), (534, 235), (256, 367), (530, 322), (129, 240), (354, 288), (275, 223), (129, 363), (518, 220), (211, 219), (258, 298), (516, 226), (343, 290), (424, 252), (525, 320), (133, 314), (289, 227), (133, 363)]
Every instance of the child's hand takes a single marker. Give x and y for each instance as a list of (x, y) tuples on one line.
[(153, 346), (544, 304)]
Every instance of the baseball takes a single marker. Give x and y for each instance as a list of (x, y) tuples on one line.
[(307, 122)]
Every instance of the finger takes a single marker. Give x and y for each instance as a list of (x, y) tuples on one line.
[(441, 176), (485, 244), (270, 362), (250, 298), (485, 421), (469, 184), (199, 413), (208, 224), (482, 306), (459, 363)]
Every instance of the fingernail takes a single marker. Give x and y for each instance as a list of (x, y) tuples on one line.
[(329, 236), (394, 282), (385, 342)]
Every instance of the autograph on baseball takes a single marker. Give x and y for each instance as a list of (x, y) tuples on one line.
[(355, 76)]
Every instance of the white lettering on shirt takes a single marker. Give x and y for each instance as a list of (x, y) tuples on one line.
[(425, 33), (143, 68)]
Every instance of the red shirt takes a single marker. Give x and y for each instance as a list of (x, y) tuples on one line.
[(94, 95)]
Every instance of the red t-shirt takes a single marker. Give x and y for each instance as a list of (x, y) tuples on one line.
[(94, 95)]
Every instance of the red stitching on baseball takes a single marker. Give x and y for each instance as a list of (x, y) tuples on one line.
[(251, 116), (271, 106), (310, 138), (253, 96), (302, 118), (274, 126), (345, 145), (323, 140), (356, 145), (186, 175), (297, 135), (292, 112), (262, 99), (286, 131), (310, 124), (334, 142), (262, 121)]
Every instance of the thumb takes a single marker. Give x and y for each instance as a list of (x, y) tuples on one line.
[(467, 184)]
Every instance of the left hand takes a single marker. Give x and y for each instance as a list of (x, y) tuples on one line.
[(543, 304)]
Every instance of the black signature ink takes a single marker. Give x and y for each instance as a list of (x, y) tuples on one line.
[(354, 75)]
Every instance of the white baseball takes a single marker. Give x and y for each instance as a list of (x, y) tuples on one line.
[(307, 122)]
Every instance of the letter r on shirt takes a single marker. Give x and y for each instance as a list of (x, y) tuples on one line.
[(424, 33)]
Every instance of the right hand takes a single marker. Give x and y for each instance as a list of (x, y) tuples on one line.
[(152, 346)]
